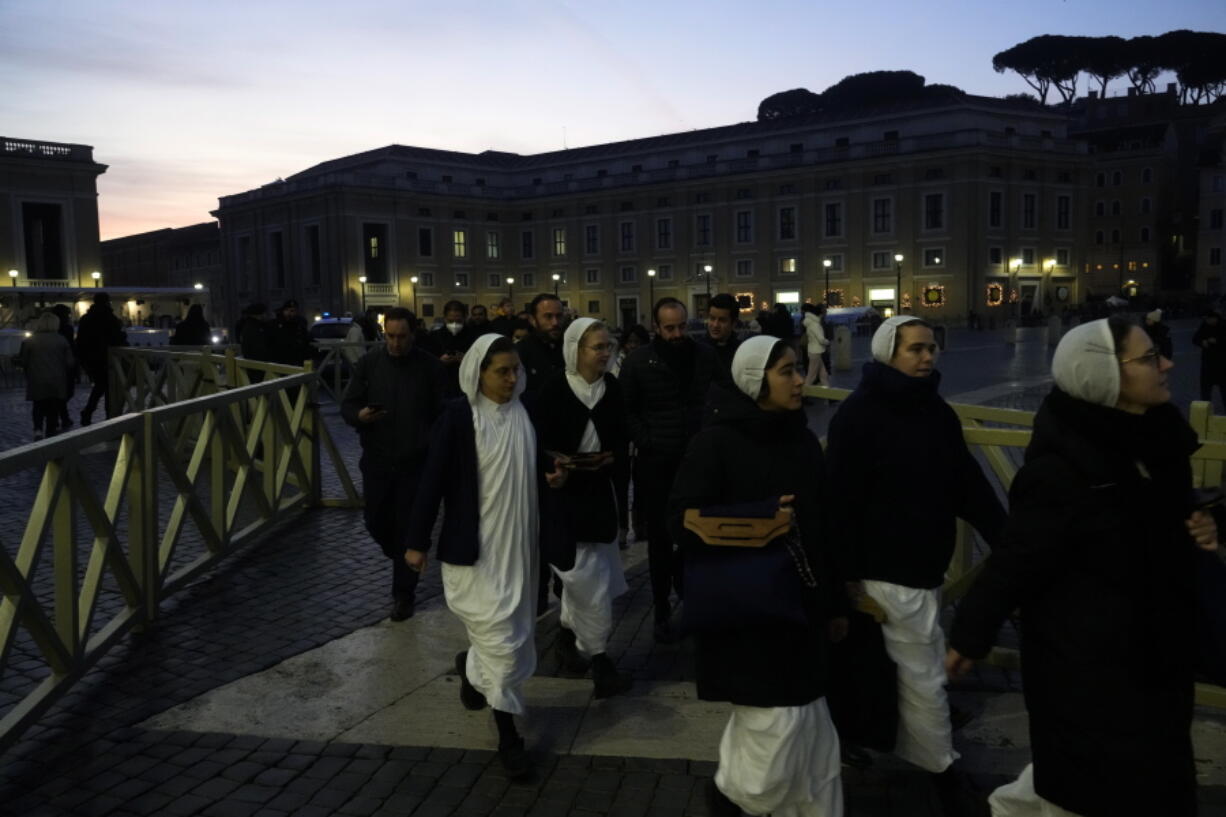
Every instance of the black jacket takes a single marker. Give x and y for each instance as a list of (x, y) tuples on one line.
[(192, 332), (900, 475), (410, 388), (1102, 568), (540, 361), (726, 352), (98, 330), (663, 410), (745, 455), (1212, 341), (442, 342), (586, 504), (288, 341)]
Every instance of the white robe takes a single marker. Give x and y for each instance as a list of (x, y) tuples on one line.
[(1019, 799), (782, 761), (916, 644), (496, 597)]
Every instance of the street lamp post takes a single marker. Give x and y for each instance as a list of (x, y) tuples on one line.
[(706, 273), (413, 281), (1015, 264), (362, 281), (97, 276), (651, 290), (898, 283), (511, 290), (556, 279), (13, 276), (826, 264)]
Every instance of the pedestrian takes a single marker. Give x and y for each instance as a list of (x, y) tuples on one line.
[(1100, 557), (365, 330), (193, 330), (451, 341), (541, 351), (289, 342), (1160, 333), (46, 359), (393, 400), (579, 413), (779, 753), (901, 476), (722, 314), (98, 331), (65, 317), (815, 344), (479, 320), (1211, 338), (665, 387), (632, 339), (483, 462), (504, 320)]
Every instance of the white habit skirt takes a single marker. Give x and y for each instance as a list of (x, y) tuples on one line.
[(589, 589)]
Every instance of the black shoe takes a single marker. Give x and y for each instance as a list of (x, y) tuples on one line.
[(469, 696), (957, 797), (403, 608), (718, 805), (854, 756), (606, 679), (569, 659), (514, 759), (663, 632)]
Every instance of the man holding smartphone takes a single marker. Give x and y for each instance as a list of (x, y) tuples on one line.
[(393, 399)]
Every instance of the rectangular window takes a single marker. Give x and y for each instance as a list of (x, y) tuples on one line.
[(459, 243), (1064, 206), (276, 260), (629, 275), (559, 242), (744, 226), (593, 307), (787, 266), (933, 257), (881, 260), (42, 227), (591, 275), (1027, 256), (934, 211), (702, 230), (787, 223), (591, 239), (996, 256), (426, 279), (527, 245), (1215, 256), (627, 236), (834, 220), (744, 268), (836, 262), (665, 272), (1115, 208), (527, 279), (664, 234), (1215, 218), (1062, 257), (461, 280), (1028, 212), (493, 245), (494, 280), (374, 251), (313, 254), (996, 201), (882, 211), (425, 242)]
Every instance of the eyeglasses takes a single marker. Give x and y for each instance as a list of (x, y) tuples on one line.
[(1153, 357), (600, 348)]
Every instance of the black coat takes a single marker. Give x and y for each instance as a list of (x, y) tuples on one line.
[(192, 332), (1212, 341), (1097, 558), (901, 475), (410, 389), (442, 342), (726, 352), (586, 504), (745, 455), (540, 359), (289, 342), (663, 410), (98, 330)]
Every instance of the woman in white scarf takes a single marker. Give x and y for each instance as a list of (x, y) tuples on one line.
[(579, 414), (815, 344)]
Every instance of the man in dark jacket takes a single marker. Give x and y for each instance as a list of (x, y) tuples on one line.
[(504, 321), (541, 351), (450, 341), (289, 342), (665, 386), (393, 399), (900, 476), (97, 332), (721, 336), (1211, 338)]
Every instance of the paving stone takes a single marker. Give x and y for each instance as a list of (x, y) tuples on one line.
[(242, 771), (215, 789), (464, 775)]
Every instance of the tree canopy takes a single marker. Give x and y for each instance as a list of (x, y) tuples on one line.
[(855, 91)]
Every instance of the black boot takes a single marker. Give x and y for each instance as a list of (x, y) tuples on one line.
[(606, 679), (569, 659), (511, 752), (957, 797), (718, 805), (469, 696)]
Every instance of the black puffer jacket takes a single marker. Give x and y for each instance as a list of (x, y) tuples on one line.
[(900, 475), (663, 408), (746, 455), (586, 505), (1102, 567)]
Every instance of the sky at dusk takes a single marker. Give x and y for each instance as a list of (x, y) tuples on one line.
[(189, 101)]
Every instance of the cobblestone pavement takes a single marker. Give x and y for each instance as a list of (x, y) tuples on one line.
[(317, 578)]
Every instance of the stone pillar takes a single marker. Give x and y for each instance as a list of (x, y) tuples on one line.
[(841, 353)]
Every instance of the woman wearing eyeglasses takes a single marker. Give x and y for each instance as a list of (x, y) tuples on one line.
[(1100, 557), (578, 414)]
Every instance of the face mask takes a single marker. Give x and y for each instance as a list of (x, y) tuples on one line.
[(454, 328)]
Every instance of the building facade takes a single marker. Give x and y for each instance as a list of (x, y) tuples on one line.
[(178, 258)]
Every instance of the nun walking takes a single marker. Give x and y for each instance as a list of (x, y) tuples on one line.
[(1101, 556), (901, 475), (483, 462), (762, 617), (578, 413)]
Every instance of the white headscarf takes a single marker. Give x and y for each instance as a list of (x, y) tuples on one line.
[(589, 394), (1085, 364), (749, 364), (883, 338), (470, 370)]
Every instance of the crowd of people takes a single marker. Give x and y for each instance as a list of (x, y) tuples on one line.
[(809, 580)]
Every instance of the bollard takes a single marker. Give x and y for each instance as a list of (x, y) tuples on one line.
[(842, 349)]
